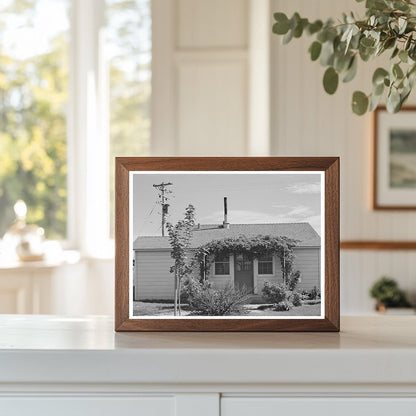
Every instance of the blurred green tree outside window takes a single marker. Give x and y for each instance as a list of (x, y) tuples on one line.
[(34, 85), (33, 100)]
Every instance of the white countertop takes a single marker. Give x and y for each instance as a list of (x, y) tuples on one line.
[(52, 349)]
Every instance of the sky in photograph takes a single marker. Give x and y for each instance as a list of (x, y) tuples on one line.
[(252, 198)]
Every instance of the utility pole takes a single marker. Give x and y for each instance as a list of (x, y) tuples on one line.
[(162, 188)]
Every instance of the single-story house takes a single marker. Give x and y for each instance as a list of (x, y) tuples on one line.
[(152, 260)]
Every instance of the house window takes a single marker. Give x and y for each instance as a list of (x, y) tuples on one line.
[(222, 265), (265, 264)]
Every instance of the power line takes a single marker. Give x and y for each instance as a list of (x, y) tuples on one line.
[(148, 216)]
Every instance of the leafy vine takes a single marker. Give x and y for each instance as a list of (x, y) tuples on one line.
[(252, 247)]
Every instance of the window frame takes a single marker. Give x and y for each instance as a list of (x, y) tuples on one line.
[(222, 262), (261, 262), (87, 132)]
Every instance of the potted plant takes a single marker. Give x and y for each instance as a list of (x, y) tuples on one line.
[(387, 294)]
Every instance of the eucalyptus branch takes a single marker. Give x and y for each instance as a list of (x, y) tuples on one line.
[(389, 25)]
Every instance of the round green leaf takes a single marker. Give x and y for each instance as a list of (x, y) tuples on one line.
[(351, 71), (281, 27), (315, 50), (330, 80), (379, 75), (359, 103), (314, 27), (367, 42), (366, 53)]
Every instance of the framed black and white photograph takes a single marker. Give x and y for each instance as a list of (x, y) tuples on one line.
[(394, 159), (227, 244)]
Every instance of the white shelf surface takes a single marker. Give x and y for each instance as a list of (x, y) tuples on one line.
[(53, 349)]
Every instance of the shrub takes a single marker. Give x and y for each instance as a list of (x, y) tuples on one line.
[(387, 292), (274, 293), (304, 294), (205, 300), (293, 280), (284, 305), (315, 293), (296, 299)]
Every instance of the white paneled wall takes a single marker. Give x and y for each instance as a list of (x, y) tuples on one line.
[(308, 122), (203, 67), (212, 103)]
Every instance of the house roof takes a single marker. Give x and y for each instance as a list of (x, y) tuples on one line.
[(303, 232)]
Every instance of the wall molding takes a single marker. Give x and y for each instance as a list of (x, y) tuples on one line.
[(378, 245)]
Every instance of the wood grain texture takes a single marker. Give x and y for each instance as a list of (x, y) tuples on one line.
[(330, 165), (376, 204), (378, 245)]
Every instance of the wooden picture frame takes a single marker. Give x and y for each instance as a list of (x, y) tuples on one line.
[(394, 184), (129, 173)]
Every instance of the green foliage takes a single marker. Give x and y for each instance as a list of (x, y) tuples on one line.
[(205, 300), (330, 80), (386, 291), (389, 26), (33, 102), (252, 247)]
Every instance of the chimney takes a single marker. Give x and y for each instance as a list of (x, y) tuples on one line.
[(225, 223)]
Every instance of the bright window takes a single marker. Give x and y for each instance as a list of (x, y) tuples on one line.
[(33, 112), (75, 87), (265, 264)]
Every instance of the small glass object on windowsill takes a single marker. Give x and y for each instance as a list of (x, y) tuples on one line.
[(23, 240)]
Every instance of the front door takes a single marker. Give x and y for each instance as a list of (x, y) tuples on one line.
[(243, 272)]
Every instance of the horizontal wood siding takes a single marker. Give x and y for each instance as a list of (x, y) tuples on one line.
[(152, 279), (307, 261)]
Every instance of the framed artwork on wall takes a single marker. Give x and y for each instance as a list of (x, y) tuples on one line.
[(394, 177), (227, 244)]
